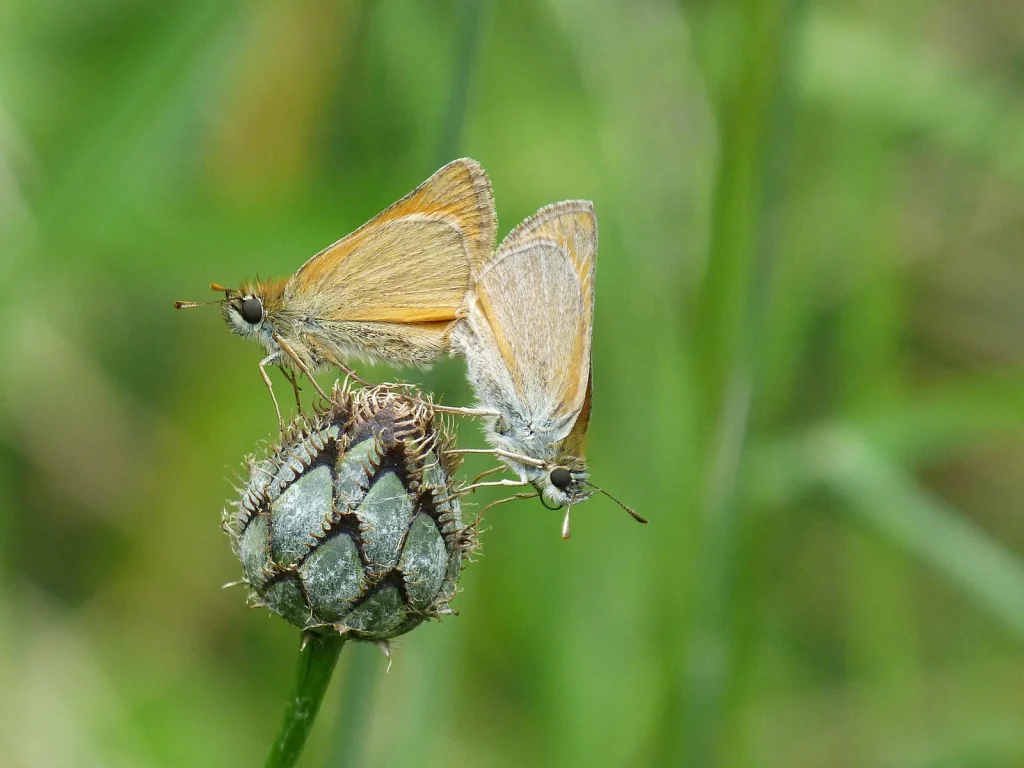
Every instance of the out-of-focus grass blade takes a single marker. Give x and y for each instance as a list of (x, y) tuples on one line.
[(891, 502), (473, 18), (148, 92), (908, 432), (358, 689), (729, 321), (944, 420)]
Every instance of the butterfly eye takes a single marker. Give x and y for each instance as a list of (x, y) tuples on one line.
[(560, 478), (252, 311)]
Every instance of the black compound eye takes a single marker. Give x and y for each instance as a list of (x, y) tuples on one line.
[(252, 311), (560, 478)]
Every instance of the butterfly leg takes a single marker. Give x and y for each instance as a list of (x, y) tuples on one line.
[(351, 374), (493, 484), (477, 479), (471, 412), (292, 379), (464, 490), (270, 389), (301, 365), (486, 472), (528, 460), (461, 451), (343, 368), (493, 504)]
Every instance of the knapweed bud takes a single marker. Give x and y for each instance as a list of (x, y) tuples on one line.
[(353, 523)]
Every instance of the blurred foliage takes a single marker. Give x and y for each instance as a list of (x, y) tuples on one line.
[(808, 375)]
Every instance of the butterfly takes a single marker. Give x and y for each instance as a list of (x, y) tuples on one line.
[(391, 291), (527, 339)]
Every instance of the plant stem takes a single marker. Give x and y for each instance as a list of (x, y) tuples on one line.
[(312, 675)]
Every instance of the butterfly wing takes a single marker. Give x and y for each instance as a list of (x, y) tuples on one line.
[(533, 310), (410, 264), (575, 443)]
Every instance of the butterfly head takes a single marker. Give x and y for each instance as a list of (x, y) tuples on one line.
[(563, 484), (245, 309), (249, 310)]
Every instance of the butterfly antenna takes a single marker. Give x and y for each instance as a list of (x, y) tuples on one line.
[(214, 286), (190, 304), (632, 513)]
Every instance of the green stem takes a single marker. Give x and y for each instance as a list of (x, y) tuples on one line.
[(312, 675)]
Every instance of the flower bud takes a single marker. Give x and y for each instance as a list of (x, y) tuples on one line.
[(353, 523)]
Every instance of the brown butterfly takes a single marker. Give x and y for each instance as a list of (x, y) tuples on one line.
[(389, 292)]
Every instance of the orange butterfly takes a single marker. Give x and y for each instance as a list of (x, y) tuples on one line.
[(390, 291)]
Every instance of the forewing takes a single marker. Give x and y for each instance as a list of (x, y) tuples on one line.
[(537, 296), (413, 262)]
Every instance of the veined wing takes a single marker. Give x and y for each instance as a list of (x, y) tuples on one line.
[(537, 296), (413, 262)]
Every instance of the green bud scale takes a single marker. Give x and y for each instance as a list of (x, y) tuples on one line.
[(353, 523)]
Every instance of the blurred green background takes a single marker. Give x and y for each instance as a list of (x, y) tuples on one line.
[(807, 364)]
